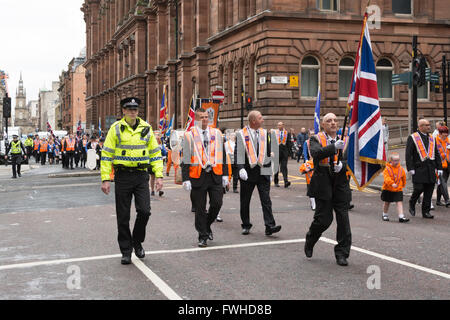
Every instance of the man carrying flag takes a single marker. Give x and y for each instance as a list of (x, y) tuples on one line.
[(317, 114)]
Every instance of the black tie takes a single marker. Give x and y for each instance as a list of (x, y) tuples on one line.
[(205, 140), (257, 142), (331, 158)]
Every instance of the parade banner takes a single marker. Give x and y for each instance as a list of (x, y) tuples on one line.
[(212, 108)]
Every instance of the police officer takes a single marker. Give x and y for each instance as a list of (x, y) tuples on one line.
[(204, 172), (131, 147), (29, 146), (16, 147), (331, 190)]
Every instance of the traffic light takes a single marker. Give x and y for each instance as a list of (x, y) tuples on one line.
[(248, 102), (419, 66), (6, 107)]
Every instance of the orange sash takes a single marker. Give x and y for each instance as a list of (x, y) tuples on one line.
[(324, 142), (443, 151), (215, 155), (424, 154), (278, 132), (250, 148)]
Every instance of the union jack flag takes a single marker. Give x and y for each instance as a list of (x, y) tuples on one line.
[(163, 115), (191, 116), (49, 128), (366, 153)]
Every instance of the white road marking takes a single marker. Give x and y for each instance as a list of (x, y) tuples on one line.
[(157, 281), (173, 212), (398, 261), (14, 224), (48, 221)]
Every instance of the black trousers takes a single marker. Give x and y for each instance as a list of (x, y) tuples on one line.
[(442, 189), (323, 217), (235, 173), (283, 169), (29, 152), (203, 220), (77, 158), (427, 189), (43, 156), (16, 160), (128, 184), (37, 155), (69, 158), (263, 185)]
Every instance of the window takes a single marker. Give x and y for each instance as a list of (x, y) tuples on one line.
[(328, 5), (345, 76), (402, 6), (309, 77), (384, 70), (422, 92)]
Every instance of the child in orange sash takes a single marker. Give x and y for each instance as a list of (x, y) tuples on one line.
[(307, 168), (392, 190)]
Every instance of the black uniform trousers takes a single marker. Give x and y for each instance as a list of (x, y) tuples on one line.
[(203, 220), (16, 160), (235, 173), (43, 156), (283, 169), (37, 155), (69, 159), (247, 187), (427, 189), (128, 184), (323, 217)]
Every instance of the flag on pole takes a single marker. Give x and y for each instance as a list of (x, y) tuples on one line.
[(49, 128), (79, 128), (317, 114), (169, 129), (191, 116), (3, 77), (99, 127), (163, 112), (366, 153)]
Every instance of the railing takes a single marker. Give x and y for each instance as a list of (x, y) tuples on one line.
[(398, 133)]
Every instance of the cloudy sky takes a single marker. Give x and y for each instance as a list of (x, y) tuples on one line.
[(39, 38)]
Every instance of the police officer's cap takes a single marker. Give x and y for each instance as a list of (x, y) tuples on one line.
[(130, 103), (15, 136)]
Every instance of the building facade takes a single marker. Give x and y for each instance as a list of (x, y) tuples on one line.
[(72, 93), (22, 114), (48, 101), (257, 48)]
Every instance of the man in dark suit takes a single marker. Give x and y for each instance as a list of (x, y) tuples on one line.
[(204, 172), (330, 188), (285, 145), (423, 163), (252, 155)]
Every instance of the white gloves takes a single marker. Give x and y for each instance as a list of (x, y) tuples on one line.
[(243, 174), (448, 146), (439, 172), (338, 167), (339, 144), (224, 181), (187, 185), (412, 172)]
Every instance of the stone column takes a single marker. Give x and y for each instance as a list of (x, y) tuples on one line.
[(162, 33)]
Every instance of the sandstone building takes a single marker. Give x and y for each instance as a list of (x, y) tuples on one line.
[(196, 46)]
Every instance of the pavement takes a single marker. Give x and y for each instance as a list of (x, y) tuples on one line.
[(59, 242)]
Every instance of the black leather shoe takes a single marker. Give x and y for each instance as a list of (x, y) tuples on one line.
[(427, 215), (210, 235), (13, 177), (351, 206), (308, 250), (193, 210), (235, 191), (287, 184), (202, 243), (126, 259), (153, 193), (219, 219), (385, 218), (438, 203), (161, 193), (412, 211), (19, 174), (342, 261), (270, 230), (447, 204), (277, 185), (245, 231), (139, 251), (431, 208), (403, 219)]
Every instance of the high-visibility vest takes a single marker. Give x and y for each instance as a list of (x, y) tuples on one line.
[(423, 153), (199, 158), (44, 147), (128, 147), (443, 151), (28, 142), (15, 147), (70, 145), (36, 144), (324, 142)]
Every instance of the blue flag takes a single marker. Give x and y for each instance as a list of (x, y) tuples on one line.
[(317, 114)]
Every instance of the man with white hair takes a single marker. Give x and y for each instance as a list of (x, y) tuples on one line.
[(253, 159), (330, 187)]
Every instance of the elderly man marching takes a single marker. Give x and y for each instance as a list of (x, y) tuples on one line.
[(330, 188), (204, 172), (132, 149), (285, 145), (423, 163), (253, 158)]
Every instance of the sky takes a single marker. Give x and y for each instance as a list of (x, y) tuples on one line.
[(39, 39)]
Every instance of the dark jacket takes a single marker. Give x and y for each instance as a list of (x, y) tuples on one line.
[(252, 173), (425, 172), (325, 183), (200, 181), (284, 148)]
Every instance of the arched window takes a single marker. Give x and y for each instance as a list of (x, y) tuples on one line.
[(345, 76), (384, 71), (310, 77), (422, 92)]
